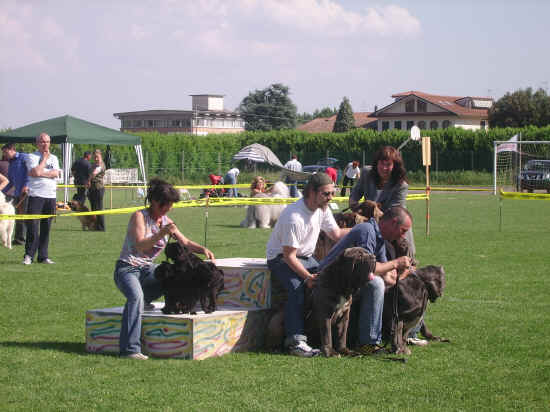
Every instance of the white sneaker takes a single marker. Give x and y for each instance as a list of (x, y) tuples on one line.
[(417, 342), (27, 260), (139, 356), (302, 349), (148, 306), (47, 261)]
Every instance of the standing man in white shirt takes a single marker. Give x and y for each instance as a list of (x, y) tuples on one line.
[(43, 169), (230, 178), (289, 254), (351, 174), (294, 165)]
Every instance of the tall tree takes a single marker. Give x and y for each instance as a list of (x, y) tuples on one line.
[(521, 108), (325, 112), (344, 119), (269, 109)]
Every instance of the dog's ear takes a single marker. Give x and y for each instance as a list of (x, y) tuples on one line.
[(434, 280), (359, 263)]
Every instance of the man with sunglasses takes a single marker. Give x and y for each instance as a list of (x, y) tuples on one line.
[(371, 236), (289, 254)]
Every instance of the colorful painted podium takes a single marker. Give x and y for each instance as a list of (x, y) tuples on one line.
[(238, 325)]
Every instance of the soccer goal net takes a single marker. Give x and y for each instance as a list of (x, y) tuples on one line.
[(522, 166)]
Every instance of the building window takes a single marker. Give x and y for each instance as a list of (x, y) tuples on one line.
[(482, 124), (446, 124), (385, 125), (397, 124), (433, 124), (150, 123), (175, 123), (422, 125), (410, 124), (126, 123), (137, 123), (409, 106), (421, 106)]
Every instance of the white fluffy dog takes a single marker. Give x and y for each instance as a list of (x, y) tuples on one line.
[(6, 225), (265, 216)]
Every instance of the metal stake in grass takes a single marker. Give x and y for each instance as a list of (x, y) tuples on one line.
[(206, 218)]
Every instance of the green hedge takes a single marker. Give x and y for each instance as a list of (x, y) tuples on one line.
[(452, 149)]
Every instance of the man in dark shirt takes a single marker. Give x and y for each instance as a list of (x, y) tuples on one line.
[(19, 179), (82, 172)]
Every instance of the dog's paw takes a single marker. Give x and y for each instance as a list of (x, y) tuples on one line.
[(348, 352), (403, 351)]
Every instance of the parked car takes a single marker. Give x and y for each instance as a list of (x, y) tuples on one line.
[(328, 161), (319, 168), (535, 176)]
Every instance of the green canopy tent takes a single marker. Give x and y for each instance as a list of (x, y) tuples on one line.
[(68, 131)]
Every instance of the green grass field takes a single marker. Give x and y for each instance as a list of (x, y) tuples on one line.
[(495, 310)]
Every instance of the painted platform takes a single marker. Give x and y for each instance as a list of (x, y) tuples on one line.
[(239, 323), (197, 336), (246, 283)]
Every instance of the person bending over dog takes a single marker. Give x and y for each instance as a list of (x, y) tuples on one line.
[(370, 235), (289, 254), (147, 235)]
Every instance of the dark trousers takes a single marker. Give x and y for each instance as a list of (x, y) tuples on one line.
[(20, 226), (80, 194), (347, 181), (38, 230), (96, 202)]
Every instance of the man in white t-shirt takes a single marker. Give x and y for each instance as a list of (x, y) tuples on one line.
[(351, 174), (43, 169), (289, 254), (294, 165), (230, 178)]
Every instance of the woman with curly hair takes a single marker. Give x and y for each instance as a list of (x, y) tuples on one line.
[(257, 186), (385, 183), (148, 233)]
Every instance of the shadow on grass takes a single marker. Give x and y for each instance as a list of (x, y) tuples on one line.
[(67, 347)]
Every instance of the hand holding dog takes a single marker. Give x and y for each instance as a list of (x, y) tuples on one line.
[(403, 262)]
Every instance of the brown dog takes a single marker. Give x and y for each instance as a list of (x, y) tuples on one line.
[(87, 221), (414, 291), (332, 297), (361, 213)]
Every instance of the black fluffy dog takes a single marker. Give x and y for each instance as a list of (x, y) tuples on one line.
[(187, 281), (414, 291)]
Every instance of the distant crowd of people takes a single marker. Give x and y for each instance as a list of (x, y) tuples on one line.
[(30, 180)]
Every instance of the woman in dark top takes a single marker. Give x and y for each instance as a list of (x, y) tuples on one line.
[(386, 183), (97, 189)]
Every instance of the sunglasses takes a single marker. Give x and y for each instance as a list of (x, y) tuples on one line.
[(327, 194)]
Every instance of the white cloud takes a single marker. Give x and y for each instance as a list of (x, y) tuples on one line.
[(30, 40)]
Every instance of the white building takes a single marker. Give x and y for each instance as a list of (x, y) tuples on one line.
[(430, 111)]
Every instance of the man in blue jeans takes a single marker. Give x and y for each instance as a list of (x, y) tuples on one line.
[(370, 236), (289, 254)]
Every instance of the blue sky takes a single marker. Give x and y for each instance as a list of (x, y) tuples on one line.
[(91, 59)]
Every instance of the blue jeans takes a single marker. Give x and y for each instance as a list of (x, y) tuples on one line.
[(230, 179), (292, 186), (295, 286), (370, 312), (138, 284)]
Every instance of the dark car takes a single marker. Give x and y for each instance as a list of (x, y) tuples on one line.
[(535, 176), (319, 168)]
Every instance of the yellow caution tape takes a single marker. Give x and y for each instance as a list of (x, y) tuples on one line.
[(212, 201), (453, 189), (524, 196)]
